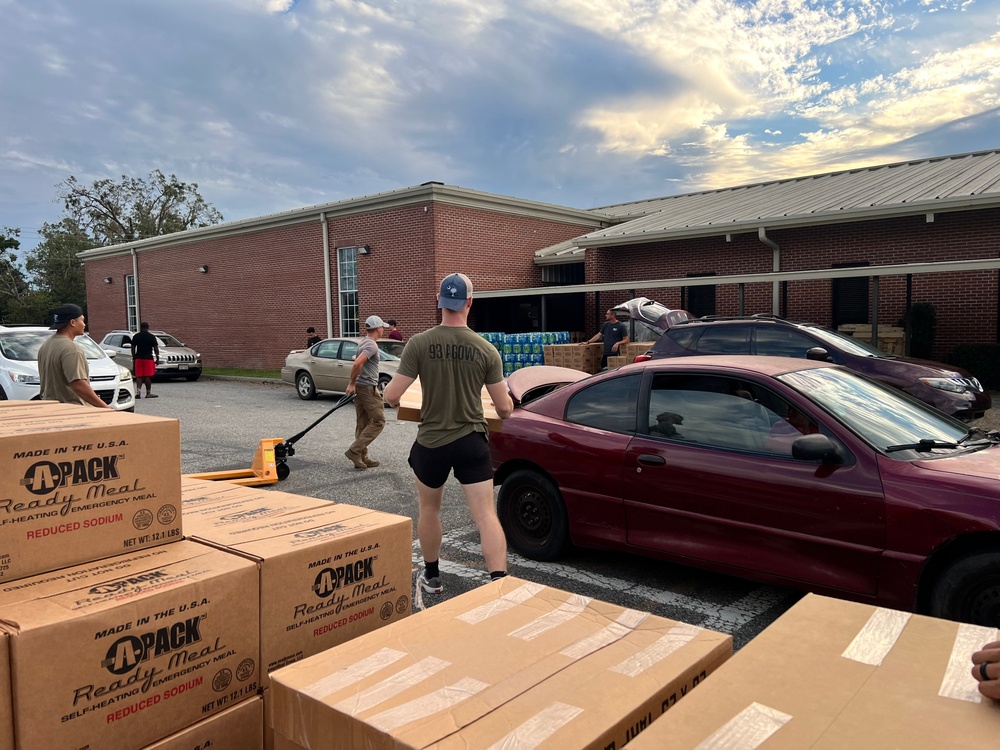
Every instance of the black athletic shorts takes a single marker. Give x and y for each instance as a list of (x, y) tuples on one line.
[(469, 456)]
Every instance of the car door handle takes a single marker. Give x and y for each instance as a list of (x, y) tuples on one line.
[(651, 459)]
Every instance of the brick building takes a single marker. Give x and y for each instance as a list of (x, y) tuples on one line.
[(854, 246)]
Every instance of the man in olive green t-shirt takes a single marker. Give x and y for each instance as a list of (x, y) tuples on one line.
[(62, 366), (453, 364)]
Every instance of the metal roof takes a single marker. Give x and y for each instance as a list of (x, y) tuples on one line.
[(934, 185)]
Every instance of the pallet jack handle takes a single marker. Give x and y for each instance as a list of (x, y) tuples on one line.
[(284, 448)]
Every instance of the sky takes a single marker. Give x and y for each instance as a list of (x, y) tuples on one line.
[(271, 105)]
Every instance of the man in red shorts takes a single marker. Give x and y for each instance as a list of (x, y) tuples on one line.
[(145, 355)]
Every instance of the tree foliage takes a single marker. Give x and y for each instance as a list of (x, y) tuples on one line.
[(13, 281), (133, 209), (53, 264)]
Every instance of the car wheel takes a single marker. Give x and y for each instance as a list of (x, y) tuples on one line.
[(533, 515), (3, 396), (969, 591), (383, 381), (192, 376), (305, 387)]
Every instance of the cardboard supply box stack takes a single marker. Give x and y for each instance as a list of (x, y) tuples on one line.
[(81, 484), (509, 662), (584, 357), (891, 339), (126, 651), (328, 572), (236, 728), (831, 674)]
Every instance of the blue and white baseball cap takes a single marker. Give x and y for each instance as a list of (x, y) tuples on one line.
[(456, 290)]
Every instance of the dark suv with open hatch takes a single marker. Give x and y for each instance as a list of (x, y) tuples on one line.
[(950, 389)]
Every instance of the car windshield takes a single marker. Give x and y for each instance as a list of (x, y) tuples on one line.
[(881, 415), (847, 344), (23, 346), (166, 339)]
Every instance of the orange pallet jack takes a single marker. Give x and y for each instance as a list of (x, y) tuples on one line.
[(270, 460)]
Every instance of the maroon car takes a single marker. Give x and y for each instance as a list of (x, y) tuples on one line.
[(788, 471)]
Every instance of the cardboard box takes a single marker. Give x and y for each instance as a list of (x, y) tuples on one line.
[(584, 357), (327, 574), (412, 399), (80, 484), (634, 348), (238, 728), (830, 674), (209, 505), (616, 362), (123, 652), (510, 659)]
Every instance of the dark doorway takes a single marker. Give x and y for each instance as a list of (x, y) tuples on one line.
[(698, 300), (849, 298), (563, 312)]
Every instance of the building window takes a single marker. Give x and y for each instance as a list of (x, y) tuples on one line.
[(347, 276), (849, 297), (131, 304)]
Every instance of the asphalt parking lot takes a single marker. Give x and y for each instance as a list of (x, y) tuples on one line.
[(222, 422)]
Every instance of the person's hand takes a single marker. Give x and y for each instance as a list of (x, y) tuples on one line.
[(614, 346), (350, 389), (987, 670)]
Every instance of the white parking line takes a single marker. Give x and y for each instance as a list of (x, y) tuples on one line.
[(721, 618)]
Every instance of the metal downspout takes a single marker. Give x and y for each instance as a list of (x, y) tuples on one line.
[(326, 274), (135, 279), (775, 266)]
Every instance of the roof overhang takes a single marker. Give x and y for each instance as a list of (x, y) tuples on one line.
[(900, 269)]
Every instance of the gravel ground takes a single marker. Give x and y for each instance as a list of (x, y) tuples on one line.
[(992, 419)]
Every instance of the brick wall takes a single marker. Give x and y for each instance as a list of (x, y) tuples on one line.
[(264, 287), (966, 302)]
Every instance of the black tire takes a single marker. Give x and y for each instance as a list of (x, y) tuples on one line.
[(3, 395), (305, 386), (533, 516), (969, 591), (383, 381), (192, 376), (283, 471)]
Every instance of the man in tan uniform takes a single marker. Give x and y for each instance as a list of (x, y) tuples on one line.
[(62, 366)]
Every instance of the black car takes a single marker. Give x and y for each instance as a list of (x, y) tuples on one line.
[(950, 389)]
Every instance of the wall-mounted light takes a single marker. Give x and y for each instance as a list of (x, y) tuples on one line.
[(108, 279), (364, 250), (202, 269)]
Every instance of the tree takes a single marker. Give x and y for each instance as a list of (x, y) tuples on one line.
[(133, 209), (13, 282), (53, 264)]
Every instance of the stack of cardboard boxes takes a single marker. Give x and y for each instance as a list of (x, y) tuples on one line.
[(121, 628), (584, 357), (630, 351)]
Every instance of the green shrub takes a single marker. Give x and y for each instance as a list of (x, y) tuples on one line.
[(982, 360)]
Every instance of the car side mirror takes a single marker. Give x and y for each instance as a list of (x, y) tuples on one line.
[(111, 353), (819, 354), (127, 341), (816, 448)]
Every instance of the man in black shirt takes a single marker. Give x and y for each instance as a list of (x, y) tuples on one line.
[(145, 355), (615, 336), (312, 339)]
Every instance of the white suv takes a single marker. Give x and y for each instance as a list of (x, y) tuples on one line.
[(19, 380)]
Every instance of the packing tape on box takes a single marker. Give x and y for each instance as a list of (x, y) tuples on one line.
[(749, 729), (508, 601), (958, 682), (877, 637), (538, 728), (572, 607), (626, 623), (349, 675), (677, 637), (440, 700), (392, 686)]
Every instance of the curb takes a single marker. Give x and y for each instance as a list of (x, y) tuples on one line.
[(241, 379)]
